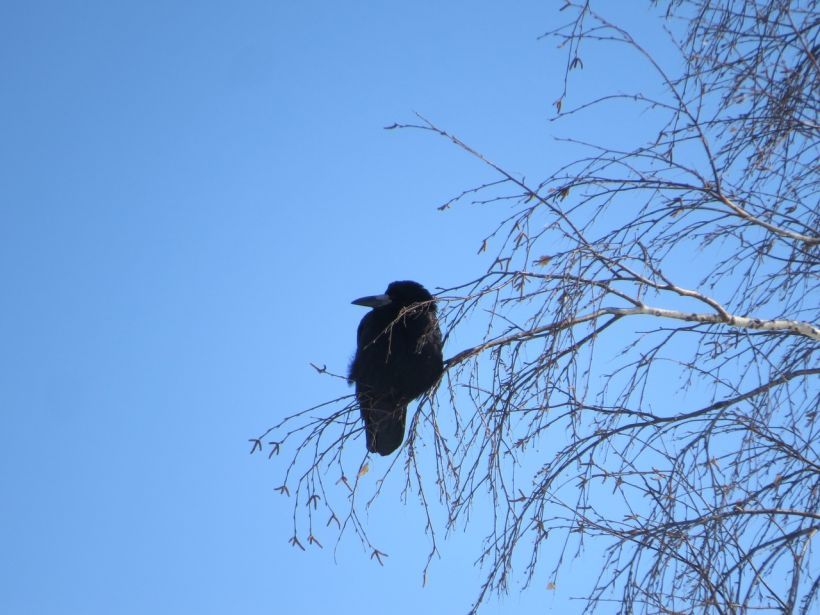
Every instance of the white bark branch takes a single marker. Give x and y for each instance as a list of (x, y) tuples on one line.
[(807, 239), (744, 322)]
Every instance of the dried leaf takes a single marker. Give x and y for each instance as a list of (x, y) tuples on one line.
[(542, 261)]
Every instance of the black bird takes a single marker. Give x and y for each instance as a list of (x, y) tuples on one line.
[(398, 357)]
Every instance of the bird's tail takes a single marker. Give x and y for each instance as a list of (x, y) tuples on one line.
[(385, 429)]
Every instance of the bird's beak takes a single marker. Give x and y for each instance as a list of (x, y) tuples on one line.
[(373, 301)]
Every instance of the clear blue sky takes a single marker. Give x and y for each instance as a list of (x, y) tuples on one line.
[(190, 196)]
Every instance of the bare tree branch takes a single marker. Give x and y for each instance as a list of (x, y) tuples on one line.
[(683, 445)]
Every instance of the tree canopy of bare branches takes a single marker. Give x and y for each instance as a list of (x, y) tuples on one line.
[(647, 378)]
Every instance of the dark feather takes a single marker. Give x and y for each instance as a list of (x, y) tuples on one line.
[(398, 358)]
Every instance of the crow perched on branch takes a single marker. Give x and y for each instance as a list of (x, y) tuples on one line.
[(398, 357)]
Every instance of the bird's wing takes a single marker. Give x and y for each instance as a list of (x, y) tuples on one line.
[(365, 334)]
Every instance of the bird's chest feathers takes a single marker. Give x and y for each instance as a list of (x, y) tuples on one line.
[(400, 343)]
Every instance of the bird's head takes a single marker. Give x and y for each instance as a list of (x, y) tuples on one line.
[(402, 294)]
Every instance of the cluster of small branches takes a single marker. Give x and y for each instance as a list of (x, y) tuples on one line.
[(647, 378)]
